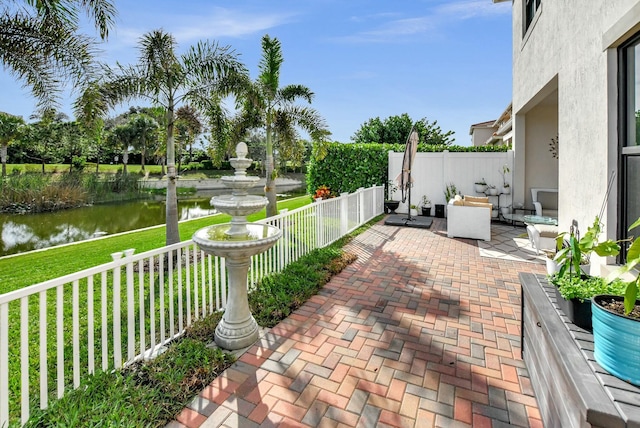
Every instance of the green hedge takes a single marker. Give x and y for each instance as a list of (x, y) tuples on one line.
[(347, 167)]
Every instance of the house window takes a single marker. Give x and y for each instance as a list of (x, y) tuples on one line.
[(531, 8), (629, 136)]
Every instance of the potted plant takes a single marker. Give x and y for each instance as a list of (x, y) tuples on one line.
[(450, 191), (506, 188), (322, 192), (481, 186), (576, 255), (574, 293), (413, 210), (391, 205), (553, 267), (425, 206), (616, 326), (492, 190), (574, 286), (505, 211)]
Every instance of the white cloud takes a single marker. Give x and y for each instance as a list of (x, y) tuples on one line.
[(472, 8), (216, 23), (403, 29)]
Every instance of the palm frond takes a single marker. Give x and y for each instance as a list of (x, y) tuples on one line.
[(42, 54), (270, 63), (90, 107), (158, 60), (125, 83), (103, 13), (310, 120), (291, 93)]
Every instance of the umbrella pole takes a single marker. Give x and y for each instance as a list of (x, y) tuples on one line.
[(409, 218)]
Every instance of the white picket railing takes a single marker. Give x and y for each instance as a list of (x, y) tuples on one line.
[(116, 313)]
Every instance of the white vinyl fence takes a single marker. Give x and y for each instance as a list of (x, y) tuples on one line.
[(431, 172), (54, 333)]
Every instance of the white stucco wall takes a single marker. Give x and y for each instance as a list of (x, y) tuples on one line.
[(571, 48), (542, 125), (481, 135)]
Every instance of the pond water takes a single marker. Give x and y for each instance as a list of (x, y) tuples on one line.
[(26, 232)]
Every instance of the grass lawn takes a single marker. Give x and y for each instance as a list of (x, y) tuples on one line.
[(34, 267), (151, 394), (30, 268)]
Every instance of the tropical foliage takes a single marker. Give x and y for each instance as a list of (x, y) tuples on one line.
[(10, 129), (268, 106), (40, 45), (204, 73)]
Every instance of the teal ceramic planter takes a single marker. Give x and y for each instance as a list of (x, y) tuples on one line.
[(616, 341)]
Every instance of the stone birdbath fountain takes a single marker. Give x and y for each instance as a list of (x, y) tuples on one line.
[(237, 241)]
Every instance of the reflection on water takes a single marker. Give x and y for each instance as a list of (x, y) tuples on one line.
[(20, 233)]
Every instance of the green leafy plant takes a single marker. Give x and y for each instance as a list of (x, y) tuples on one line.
[(413, 207), (391, 188), (632, 287), (584, 288), (504, 172), (578, 249), (450, 192), (425, 202)]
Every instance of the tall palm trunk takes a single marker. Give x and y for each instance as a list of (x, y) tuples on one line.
[(173, 234), (125, 160), (3, 158), (270, 188)]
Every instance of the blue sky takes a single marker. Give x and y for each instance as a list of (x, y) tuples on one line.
[(447, 60)]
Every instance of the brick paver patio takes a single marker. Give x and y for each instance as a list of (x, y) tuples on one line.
[(421, 331)]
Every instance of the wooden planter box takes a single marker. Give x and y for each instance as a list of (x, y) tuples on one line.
[(572, 390)]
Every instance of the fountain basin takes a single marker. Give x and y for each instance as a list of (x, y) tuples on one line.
[(235, 182), (235, 205), (215, 240)]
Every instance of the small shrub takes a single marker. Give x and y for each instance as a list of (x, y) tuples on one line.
[(277, 295), (78, 163), (584, 288)]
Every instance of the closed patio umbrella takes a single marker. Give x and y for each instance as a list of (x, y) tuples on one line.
[(404, 179)]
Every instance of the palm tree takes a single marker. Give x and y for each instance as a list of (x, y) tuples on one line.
[(123, 137), (267, 105), (43, 136), (144, 130), (167, 80), (189, 127), (90, 111), (10, 128), (39, 42)]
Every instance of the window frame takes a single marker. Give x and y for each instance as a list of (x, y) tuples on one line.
[(529, 19), (626, 151)]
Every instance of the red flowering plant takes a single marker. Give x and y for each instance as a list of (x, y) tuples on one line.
[(322, 192)]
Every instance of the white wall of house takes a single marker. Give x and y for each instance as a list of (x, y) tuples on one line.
[(542, 123), (564, 76), (480, 135), (431, 172)]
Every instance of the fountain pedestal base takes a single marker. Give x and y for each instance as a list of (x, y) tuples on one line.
[(236, 335), (237, 329)]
